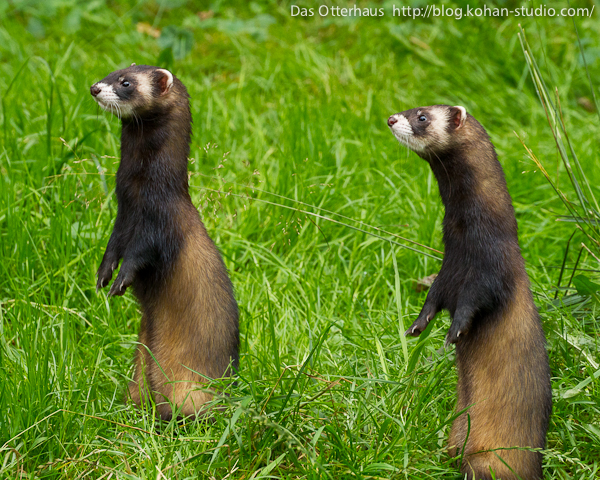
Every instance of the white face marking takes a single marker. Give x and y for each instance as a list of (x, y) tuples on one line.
[(437, 128), (144, 87), (109, 101), (403, 132)]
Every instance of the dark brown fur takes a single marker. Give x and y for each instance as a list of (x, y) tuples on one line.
[(189, 314), (503, 372)]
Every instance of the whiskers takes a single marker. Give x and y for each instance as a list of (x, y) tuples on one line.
[(120, 111), (410, 142), (112, 107)]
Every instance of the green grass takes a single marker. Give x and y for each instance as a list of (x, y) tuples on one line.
[(305, 191)]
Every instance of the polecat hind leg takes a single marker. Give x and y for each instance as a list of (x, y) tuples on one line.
[(139, 388)]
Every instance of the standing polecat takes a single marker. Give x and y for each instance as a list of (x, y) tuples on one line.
[(503, 371), (189, 328)]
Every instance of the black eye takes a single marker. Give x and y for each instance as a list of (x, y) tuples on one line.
[(125, 83), (422, 118)]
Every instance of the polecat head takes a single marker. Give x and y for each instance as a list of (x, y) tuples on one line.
[(136, 91), (428, 130)]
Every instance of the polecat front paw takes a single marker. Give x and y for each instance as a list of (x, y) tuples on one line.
[(417, 327), (456, 332), (123, 280), (428, 312), (105, 274)]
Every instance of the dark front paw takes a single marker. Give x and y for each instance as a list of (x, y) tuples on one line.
[(105, 274), (461, 323), (421, 322), (458, 331), (120, 284), (417, 327), (428, 312)]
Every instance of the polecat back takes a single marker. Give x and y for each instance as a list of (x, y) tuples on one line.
[(503, 371), (189, 329)]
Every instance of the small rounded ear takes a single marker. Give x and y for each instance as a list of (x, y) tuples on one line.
[(132, 65), (458, 116), (165, 81)]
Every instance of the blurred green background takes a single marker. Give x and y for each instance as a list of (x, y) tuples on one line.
[(312, 202)]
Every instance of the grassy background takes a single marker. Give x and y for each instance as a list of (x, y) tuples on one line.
[(289, 123)]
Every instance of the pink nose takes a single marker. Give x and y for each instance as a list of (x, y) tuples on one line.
[(95, 90), (392, 120)]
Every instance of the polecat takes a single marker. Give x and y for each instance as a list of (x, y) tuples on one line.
[(189, 328), (503, 371)]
